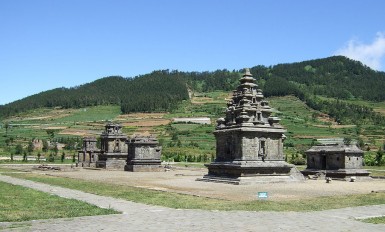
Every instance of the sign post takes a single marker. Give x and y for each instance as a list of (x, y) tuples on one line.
[(263, 195)]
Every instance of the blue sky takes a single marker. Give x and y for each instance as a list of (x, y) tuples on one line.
[(45, 44)]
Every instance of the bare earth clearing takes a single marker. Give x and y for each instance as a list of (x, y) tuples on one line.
[(183, 181)]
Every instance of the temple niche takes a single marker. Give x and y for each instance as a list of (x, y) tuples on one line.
[(143, 154), (249, 142), (113, 147), (89, 153)]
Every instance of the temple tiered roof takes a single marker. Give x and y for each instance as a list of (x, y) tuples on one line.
[(247, 107)]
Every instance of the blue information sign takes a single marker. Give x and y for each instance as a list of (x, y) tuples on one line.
[(262, 195)]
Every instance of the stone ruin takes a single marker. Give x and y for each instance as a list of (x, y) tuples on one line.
[(89, 154), (139, 153), (143, 154), (339, 161), (249, 142), (113, 147)]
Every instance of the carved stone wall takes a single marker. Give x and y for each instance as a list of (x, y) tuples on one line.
[(249, 142), (336, 160), (143, 154)]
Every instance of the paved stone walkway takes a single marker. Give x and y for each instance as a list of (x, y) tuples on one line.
[(140, 217)]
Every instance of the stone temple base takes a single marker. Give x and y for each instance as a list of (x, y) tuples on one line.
[(359, 174), (86, 165), (144, 166), (252, 172), (111, 164)]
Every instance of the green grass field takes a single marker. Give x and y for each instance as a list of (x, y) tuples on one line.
[(91, 114), (375, 220), (23, 204)]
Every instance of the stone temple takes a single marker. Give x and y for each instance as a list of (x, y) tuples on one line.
[(340, 161), (249, 142), (143, 154), (114, 148), (89, 153)]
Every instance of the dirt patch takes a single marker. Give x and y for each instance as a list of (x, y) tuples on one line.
[(201, 100), (380, 110), (147, 123), (140, 116), (325, 118), (55, 128), (184, 181), (78, 132), (335, 126), (313, 136)]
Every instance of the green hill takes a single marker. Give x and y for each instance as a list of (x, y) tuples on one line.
[(162, 91), (331, 97), (153, 92)]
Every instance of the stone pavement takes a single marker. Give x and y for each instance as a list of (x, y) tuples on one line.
[(140, 217)]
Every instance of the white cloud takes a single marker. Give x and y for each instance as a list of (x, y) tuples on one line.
[(369, 54)]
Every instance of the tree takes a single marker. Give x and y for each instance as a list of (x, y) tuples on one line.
[(379, 157), (347, 140), (30, 147), (6, 125), (45, 145), (62, 157), (55, 149), (174, 136), (25, 156), (18, 149), (360, 143), (51, 133), (38, 156), (51, 157)]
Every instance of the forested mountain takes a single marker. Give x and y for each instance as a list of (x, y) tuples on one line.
[(157, 91), (337, 77)]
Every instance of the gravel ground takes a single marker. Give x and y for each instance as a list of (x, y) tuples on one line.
[(183, 181)]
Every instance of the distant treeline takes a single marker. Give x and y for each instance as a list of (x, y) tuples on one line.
[(334, 77), (157, 91), (337, 77)]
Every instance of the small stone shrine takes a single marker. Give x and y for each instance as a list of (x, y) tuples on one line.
[(89, 154), (143, 154), (114, 148), (335, 161), (249, 142)]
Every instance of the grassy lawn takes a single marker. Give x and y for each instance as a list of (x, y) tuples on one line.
[(375, 220), (376, 170), (97, 113), (188, 164), (23, 204), (2, 170), (41, 162), (183, 201)]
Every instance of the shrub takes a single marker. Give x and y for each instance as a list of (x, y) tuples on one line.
[(369, 159), (62, 157), (380, 158), (18, 149), (25, 156), (51, 157)]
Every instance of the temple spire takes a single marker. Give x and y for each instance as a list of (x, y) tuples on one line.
[(247, 72)]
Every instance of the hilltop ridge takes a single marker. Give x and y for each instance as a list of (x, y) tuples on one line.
[(335, 77)]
